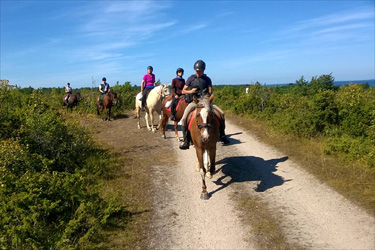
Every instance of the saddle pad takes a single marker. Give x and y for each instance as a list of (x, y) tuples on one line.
[(139, 96), (170, 105)]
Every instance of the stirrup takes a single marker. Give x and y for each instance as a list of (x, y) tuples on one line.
[(185, 145)]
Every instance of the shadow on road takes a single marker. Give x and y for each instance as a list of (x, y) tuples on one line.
[(249, 168), (123, 116)]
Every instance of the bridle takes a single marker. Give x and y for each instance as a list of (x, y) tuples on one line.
[(203, 125), (161, 94)]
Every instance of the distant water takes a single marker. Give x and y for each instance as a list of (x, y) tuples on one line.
[(342, 83)]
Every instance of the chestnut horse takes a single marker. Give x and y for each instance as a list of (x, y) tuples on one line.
[(167, 113), (73, 100), (109, 100), (204, 132)]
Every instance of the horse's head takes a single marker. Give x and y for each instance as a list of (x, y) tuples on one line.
[(205, 117), (165, 90), (79, 98), (114, 98)]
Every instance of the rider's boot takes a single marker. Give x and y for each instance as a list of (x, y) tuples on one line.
[(185, 133), (173, 116), (223, 138)]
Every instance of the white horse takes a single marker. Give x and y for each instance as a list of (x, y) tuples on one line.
[(153, 104)]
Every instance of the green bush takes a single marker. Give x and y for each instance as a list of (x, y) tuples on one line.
[(344, 116), (50, 172)]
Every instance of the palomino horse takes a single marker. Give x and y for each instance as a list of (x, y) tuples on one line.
[(73, 100), (167, 113), (109, 100), (153, 104), (204, 132)]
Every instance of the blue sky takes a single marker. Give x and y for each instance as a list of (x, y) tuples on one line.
[(49, 43)]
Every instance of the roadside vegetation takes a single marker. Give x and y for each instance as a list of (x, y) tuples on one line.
[(330, 129), (51, 175)]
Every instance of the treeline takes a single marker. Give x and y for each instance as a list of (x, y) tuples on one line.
[(343, 116), (50, 174)]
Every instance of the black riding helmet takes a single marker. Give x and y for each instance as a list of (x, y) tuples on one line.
[(104, 79), (199, 65), (150, 67), (180, 70), (68, 83)]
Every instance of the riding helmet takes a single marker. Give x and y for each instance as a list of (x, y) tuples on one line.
[(180, 70), (199, 65), (150, 67), (104, 79), (68, 83)]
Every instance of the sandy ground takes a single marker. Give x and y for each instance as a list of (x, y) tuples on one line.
[(313, 215)]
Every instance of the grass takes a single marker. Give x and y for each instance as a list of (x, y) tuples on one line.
[(354, 180), (132, 152)]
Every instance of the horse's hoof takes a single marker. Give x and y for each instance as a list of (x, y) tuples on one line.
[(204, 196), (208, 175), (139, 127)]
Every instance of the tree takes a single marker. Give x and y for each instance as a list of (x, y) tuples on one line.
[(322, 83)]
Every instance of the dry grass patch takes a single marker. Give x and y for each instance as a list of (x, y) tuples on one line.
[(133, 152)]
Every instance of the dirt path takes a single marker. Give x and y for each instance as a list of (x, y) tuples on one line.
[(312, 215)]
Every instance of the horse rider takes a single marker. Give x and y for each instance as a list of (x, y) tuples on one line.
[(104, 88), (178, 84), (201, 80), (148, 83), (68, 91)]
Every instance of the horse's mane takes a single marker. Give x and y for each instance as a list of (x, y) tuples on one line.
[(203, 101)]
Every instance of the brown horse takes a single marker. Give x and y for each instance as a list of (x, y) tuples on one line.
[(167, 113), (204, 132), (73, 100), (109, 100)]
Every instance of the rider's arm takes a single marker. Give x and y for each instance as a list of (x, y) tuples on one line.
[(173, 87), (100, 89), (142, 85), (210, 90), (186, 91)]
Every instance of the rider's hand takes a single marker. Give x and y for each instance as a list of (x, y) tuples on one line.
[(176, 96), (194, 90)]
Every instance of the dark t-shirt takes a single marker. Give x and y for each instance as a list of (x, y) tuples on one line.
[(178, 85), (203, 82)]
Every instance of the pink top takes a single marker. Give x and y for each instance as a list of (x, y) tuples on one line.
[(149, 81)]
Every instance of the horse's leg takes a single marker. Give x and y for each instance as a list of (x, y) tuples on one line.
[(109, 113), (175, 125), (163, 125), (146, 118), (137, 111), (206, 163), (199, 152), (152, 121), (212, 161)]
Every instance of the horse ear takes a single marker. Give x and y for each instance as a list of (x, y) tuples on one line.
[(195, 99), (211, 98)]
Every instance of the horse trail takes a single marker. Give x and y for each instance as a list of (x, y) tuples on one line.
[(312, 214)]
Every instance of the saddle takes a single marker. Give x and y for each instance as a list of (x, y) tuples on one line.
[(177, 106)]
